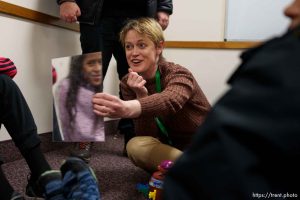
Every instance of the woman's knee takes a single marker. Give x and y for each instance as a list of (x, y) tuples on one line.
[(140, 142)]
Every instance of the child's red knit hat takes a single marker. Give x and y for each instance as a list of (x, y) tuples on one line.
[(7, 67)]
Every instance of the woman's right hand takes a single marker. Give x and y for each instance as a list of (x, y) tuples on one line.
[(107, 105), (137, 84)]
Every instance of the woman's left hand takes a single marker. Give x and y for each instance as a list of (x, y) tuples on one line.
[(137, 84)]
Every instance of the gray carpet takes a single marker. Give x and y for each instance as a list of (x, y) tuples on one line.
[(117, 176)]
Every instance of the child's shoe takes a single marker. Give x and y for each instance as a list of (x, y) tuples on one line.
[(82, 150), (51, 186), (16, 196), (79, 180)]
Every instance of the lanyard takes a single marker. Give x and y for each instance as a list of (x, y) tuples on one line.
[(157, 120)]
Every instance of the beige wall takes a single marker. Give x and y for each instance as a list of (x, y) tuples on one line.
[(211, 68), (32, 46), (45, 6), (197, 20)]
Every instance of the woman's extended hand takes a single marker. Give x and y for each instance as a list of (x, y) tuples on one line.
[(137, 84), (107, 105)]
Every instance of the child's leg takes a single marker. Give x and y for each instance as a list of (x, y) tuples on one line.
[(79, 180), (18, 120), (50, 183), (6, 189)]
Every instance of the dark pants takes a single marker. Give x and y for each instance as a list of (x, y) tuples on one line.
[(16, 116), (105, 38)]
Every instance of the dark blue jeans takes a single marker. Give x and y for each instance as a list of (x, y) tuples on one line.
[(77, 181), (16, 116)]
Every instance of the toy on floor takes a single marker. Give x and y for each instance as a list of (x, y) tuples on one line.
[(143, 188), (153, 190), (157, 180)]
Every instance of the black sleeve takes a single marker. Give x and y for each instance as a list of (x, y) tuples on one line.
[(62, 1), (165, 5)]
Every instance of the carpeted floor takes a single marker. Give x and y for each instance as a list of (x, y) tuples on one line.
[(117, 176)]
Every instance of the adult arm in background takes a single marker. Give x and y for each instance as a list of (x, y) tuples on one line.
[(69, 10), (161, 10), (250, 142), (164, 10)]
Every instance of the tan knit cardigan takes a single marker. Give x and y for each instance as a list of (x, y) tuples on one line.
[(181, 105)]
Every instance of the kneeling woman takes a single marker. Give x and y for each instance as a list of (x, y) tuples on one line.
[(163, 98)]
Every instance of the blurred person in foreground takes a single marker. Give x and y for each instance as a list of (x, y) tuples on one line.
[(249, 145)]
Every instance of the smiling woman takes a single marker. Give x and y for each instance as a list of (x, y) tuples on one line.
[(163, 98)]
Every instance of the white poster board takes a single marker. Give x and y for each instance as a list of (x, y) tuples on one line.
[(255, 20)]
